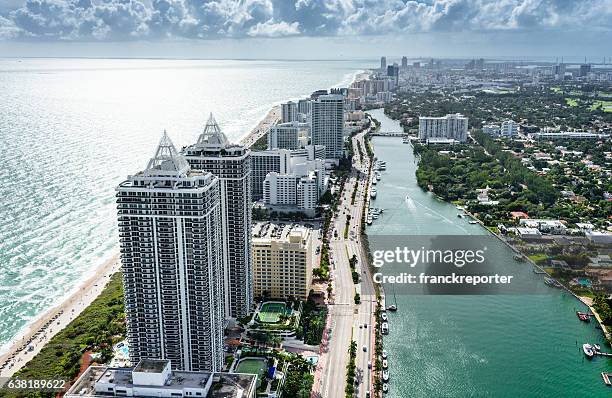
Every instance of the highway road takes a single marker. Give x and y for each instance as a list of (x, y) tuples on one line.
[(348, 320)]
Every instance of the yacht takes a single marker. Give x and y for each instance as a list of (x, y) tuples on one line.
[(588, 350)]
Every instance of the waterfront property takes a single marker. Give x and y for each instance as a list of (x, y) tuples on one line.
[(154, 378), (170, 238), (231, 164)]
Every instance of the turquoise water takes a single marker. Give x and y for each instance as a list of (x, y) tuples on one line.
[(72, 129), (476, 346)]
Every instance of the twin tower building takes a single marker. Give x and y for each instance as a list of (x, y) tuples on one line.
[(185, 240)]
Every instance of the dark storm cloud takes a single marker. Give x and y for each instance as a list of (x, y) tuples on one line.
[(212, 19)]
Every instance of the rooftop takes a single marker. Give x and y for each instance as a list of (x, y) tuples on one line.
[(279, 232), (222, 385), (151, 365)]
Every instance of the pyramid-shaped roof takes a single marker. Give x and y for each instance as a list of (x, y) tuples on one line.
[(167, 161), (212, 136)]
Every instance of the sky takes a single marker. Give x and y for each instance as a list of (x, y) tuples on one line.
[(309, 29)]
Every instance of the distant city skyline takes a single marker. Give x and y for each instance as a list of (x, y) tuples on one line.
[(301, 29)]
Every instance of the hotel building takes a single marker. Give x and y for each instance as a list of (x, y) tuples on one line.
[(231, 164), (282, 260), (170, 240), (327, 124)]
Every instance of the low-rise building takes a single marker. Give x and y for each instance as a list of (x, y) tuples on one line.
[(528, 233), (282, 260), (154, 378), (554, 227), (509, 128)]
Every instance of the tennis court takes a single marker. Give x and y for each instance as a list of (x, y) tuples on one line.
[(254, 366), (270, 312)]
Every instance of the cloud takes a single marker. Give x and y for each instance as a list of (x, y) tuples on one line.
[(273, 29), (8, 30), (213, 19)]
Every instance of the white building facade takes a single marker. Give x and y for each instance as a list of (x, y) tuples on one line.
[(169, 220), (452, 126), (231, 164), (327, 124)]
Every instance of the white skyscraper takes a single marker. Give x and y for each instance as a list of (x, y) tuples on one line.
[(170, 239), (232, 165), (452, 126), (327, 124), (289, 112), (292, 135)]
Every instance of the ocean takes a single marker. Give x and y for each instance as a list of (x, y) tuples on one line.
[(72, 129)]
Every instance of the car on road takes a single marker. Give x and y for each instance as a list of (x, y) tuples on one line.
[(369, 364), (365, 348)]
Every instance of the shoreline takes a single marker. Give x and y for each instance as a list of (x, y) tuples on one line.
[(37, 333), (272, 117), (34, 336)]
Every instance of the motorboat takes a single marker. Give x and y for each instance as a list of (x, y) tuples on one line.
[(384, 354), (597, 347), (385, 375), (473, 222), (385, 364), (383, 316), (392, 307), (588, 350), (583, 316), (373, 193), (385, 328), (385, 388)]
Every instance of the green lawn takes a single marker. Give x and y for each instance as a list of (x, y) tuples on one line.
[(606, 105), (571, 102), (538, 258)]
